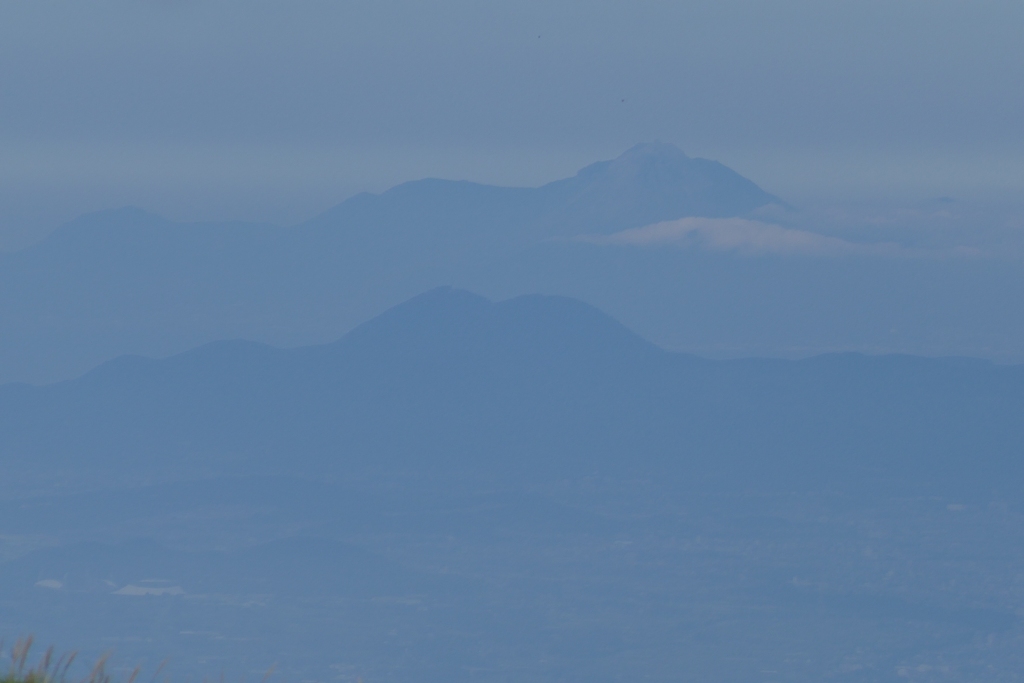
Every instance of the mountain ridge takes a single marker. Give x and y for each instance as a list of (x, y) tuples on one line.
[(452, 381)]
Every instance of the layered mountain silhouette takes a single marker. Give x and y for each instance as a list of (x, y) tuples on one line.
[(461, 486), (532, 388), (125, 281)]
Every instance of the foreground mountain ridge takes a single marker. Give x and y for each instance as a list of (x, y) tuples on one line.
[(531, 387)]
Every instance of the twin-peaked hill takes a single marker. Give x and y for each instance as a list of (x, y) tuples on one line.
[(529, 389)]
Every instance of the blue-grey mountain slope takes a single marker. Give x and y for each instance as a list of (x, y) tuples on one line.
[(529, 388), (128, 282)]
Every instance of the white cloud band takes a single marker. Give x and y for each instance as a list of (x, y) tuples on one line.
[(756, 237)]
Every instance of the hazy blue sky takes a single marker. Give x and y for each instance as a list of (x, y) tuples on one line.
[(277, 110)]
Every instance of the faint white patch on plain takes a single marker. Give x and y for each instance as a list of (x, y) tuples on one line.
[(398, 600), (50, 583), (912, 671), (132, 589), (212, 635), (757, 237), (956, 507)]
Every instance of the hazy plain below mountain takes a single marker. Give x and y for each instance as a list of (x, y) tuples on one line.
[(460, 489)]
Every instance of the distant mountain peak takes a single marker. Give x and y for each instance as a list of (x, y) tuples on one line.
[(652, 152), (644, 156), (452, 317), (648, 183)]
